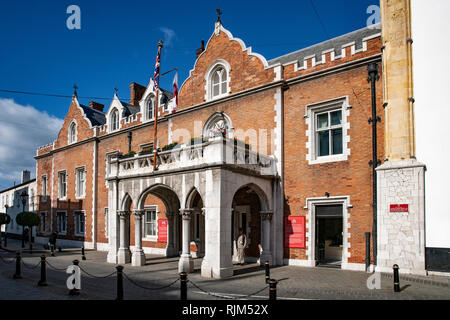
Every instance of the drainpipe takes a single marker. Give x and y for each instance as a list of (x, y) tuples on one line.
[(373, 78)]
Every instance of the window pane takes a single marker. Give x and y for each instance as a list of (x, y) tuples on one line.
[(216, 90), (336, 118), (324, 143), (322, 121), (216, 77), (337, 141), (224, 87)]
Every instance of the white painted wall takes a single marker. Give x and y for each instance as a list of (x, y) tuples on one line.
[(430, 33)]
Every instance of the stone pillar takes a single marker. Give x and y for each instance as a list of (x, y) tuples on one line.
[(124, 254), (171, 233), (266, 255), (217, 262), (186, 263), (138, 258)]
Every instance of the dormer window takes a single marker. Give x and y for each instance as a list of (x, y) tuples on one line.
[(114, 120), (218, 80), (72, 133), (150, 108)]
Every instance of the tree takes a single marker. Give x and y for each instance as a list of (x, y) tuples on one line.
[(28, 219)]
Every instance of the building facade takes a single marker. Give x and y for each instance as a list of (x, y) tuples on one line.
[(279, 148), (11, 203)]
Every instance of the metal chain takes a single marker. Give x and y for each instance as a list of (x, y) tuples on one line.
[(32, 267), (228, 297), (147, 288), (93, 276), (54, 268), (5, 261)]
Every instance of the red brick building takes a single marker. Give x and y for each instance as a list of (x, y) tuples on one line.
[(302, 150)]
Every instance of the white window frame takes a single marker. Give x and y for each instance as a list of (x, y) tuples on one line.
[(220, 63), (43, 226), (57, 222), (59, 184), (114, 125), (149, 98), (79, 195), (312, 111), (72, 137), (44, 180), (144, 217), (76, 222)]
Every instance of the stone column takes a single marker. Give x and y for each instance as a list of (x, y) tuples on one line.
[(124, 254), (171, 232), (266, 255), (138, 258), (186, 263)]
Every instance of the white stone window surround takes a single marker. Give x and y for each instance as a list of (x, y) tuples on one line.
[(311, 204), (72, 135), (60, 196), (76, 222), (150, 98), (144, 236), (215, 118), (77, 172), (208, 77), (311, 111), (58, 214), (114, 120), (44, 181)]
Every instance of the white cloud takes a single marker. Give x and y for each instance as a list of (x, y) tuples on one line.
[(22, 130), (169, 36)]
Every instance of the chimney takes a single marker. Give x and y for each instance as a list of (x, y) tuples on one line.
[(97, 106), (201, 49), (136, 93), (25, 176)]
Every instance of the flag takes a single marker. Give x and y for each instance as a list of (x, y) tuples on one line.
[(156, 73), (175, 93)]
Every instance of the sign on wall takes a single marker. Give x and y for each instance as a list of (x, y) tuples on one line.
[(162, 230), (398, 208), (295, 232)]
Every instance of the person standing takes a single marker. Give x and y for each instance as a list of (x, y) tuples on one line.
[(241, 245)]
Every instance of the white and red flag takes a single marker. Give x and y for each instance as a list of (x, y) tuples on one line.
[(156, 73), (175, 93)]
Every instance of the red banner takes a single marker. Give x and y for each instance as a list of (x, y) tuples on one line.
[(399, 208), (295, 232), (162, 230)]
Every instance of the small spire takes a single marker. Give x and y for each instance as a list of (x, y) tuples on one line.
[(75, 87), (219, 13), (116, 90)]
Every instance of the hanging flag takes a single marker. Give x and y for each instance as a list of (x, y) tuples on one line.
[(175, 93), (156, 73)]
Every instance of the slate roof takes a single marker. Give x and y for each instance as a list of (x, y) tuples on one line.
[(97, 118), (335, 43)]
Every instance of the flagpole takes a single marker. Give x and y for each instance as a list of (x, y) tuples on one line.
[(160, 44)]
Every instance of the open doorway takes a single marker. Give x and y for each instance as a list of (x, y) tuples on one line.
[(329, 235)]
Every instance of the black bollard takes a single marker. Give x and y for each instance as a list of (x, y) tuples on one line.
[(43, 281), (83, 257), (367, 251), (74, 291), (273, 289), (183, 286), (119, 283), (396, 279), (18, 274), (267, 266)]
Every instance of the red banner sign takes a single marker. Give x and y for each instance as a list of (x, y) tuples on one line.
[(295, 232), (162, 230), (399, 208)]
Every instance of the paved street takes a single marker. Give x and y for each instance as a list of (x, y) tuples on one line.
[(295, 282)]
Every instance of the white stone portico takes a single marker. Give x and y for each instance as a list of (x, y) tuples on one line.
[(214, 170)]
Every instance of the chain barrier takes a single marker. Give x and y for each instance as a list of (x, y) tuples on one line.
[(94, 276), (53, 267), (227, 297), (29, 266), (5, 261), (7, 250), (147, 288)]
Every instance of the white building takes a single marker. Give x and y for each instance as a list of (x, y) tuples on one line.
[(11, 202)]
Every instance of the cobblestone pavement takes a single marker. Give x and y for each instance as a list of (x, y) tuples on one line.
[(294, 282)]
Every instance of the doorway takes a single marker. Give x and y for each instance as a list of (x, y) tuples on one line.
[(329, 235), (240, 219)]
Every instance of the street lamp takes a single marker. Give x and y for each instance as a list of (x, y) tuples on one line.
[(24, 197), (6, 226)]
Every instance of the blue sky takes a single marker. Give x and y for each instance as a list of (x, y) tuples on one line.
[(117, 45)]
